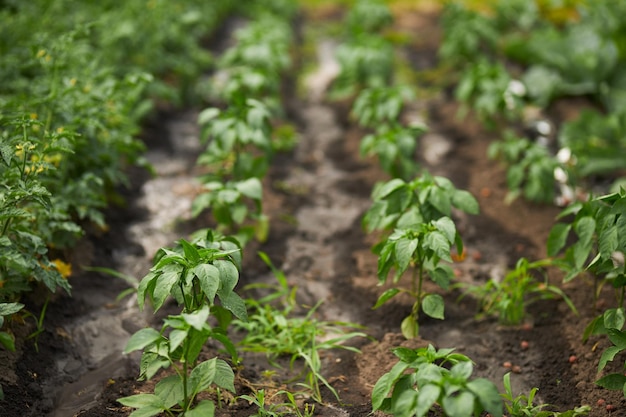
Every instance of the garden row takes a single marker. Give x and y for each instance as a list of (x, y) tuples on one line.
[(416, 210), (513, 63), (63, 155), (75, 91)]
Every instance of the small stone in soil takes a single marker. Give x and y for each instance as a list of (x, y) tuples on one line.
[(524, 344), (572, 359)]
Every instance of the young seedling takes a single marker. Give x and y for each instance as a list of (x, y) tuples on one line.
[(509, 299), (195, 274), (274, 327), (425, 377), (423, 236), (524, 406)]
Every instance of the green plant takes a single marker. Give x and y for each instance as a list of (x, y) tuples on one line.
[(419, 213), (229, 206), (491, 92), (194, 274), (278, 330), (531, 168), (277, 409), (381, 105), (524, 406), (615, 380), (424, 377), (368, 16), (510, 298), (233, 134), (599, 246), (395, 147)]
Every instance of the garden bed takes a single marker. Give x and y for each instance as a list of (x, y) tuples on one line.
[(315, 197)]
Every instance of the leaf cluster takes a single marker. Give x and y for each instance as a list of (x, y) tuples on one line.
[(425, 377)]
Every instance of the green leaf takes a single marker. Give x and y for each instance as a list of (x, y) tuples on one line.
[(170, 275), (385, 383), (170, 390), (141, 339), (142, 400), (386, 296), (465, 201), (487, 394), (439, 244), (235, 304), (557, 238), (462, 370), (214, 371), (205, 408), (404, 402), (607, 356), (209, 279), (7, 341), (440, 200), (460, 405), (387, 188), (6, 309), (446, 226), (617, 337), (198, 318), (409, 327), (608, 242), (251, 188), (427, 396), (404, 249), (176, 338), (229, 275), (612, 382), (614, 318), (433, 306), (191, 253), (596, 326), (208, 115)]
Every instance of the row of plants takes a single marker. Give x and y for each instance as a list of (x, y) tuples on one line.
[(414, 209), (77, 81), (511, 61), (241, 133), (524, 56)]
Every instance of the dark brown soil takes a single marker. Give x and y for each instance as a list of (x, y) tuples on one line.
[(496, 238)]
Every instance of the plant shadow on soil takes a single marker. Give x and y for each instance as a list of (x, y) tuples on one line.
[(335, 264)]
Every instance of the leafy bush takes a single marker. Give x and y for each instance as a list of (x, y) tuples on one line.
[(421, 378)]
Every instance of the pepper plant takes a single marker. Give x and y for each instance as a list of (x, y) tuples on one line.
[(393, 143), (425, 377), (599, 245), (196, 274), (419, 212)]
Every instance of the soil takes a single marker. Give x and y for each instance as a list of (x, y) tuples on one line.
[(315, 197)]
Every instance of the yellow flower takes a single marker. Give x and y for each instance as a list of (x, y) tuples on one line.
[(41, 53), (64, 269)]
